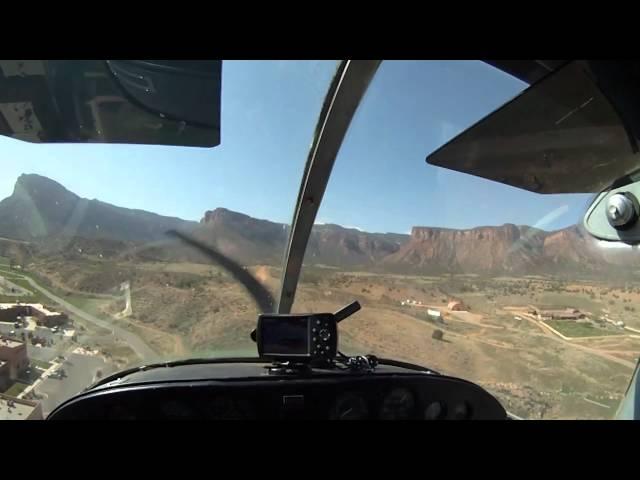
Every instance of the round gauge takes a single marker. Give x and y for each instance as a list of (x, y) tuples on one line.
[(397, 405), (434, 411), (462, 411), (228, 408), (222, 408), (118, 412), (246, 410), (174, 410), (350, 406)]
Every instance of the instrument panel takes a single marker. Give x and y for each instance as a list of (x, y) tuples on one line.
[(393, 397)]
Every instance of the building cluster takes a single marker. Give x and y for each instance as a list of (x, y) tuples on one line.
[(38, 323), (615, 323), (13, 361), (10, 312), (452, 306), (410, 302), (13, 364), (550, 313), (435, 315), (457, 306)]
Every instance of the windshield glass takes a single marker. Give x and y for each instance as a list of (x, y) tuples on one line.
[(90, 283), (461, 274)]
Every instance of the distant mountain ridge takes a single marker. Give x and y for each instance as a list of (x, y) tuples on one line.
[(500, 249), (40, 207), (41, 210)]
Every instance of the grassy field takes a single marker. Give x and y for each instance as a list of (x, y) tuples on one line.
[(18, 279), (89, 304), (86, 302), (15, 389), (21, 282), (570, 328), (39, 363), (24, 299), (10, 275)]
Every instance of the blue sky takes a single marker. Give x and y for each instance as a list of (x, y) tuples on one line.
[(269, 109)]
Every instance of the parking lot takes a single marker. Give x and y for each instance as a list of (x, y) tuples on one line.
[(24, 329), (43, 354), (80, 372)]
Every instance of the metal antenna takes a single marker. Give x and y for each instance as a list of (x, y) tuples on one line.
[(347, 311)]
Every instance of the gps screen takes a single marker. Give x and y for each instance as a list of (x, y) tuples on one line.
[(285, 336)]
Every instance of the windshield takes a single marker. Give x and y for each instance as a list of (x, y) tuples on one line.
[(457, 273), (461, 274), (89, 281)]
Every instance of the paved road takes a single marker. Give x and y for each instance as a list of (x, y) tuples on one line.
[(144, 351)]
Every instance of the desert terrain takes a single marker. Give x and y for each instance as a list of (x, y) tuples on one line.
[(547, 321), (184, 309)]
